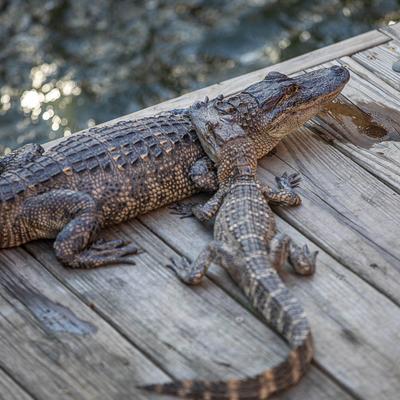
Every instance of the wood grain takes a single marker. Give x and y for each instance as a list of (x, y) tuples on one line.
[(392, 31), (9, 390), (346, 210), (56, 346), (379, 61)]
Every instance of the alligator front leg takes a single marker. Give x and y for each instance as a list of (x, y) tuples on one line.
[(203, 212), (203, 175), (74, 220), (285, 194), (215, 252), (20, 157)]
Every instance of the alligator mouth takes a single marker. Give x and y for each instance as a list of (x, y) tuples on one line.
[(320, 100), (303, 110)]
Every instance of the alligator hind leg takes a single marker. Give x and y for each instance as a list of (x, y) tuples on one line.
[(279, 250), (203, 175), (302, 260), (20, 157), (193, 273), (283, 249), (74, 220)]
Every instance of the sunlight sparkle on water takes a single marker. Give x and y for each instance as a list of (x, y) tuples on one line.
[(48, 114), (31, 99), (53, 95), (45, 90), (5, 99)]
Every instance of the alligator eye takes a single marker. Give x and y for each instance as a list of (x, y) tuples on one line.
[(225, 108), (292, 89)]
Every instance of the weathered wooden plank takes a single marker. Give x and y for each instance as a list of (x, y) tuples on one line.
[(346, 210), (392, 31), (364, 123), (346, 313), (9, 390), (191, 332), (56, 346), (380, 59)]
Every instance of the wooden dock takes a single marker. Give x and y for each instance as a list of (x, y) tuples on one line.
[(68, 334)]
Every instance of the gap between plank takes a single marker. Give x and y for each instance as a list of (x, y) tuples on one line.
[(325, 249), (23, 388), (99, 313), (116, 327)]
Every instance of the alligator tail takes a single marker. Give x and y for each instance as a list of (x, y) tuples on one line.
[(283, 313)]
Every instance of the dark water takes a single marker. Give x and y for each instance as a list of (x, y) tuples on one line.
[(65, 65)]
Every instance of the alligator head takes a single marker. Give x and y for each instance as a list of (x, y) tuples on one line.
[(267, 110)]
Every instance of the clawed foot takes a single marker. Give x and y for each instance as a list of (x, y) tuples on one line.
[(302, 260), (288, 181), (104, 252), (184, 210), (184, 270), (102, 244), (115, 250)]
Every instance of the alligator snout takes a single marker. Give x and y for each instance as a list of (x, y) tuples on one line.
[(341, 71)]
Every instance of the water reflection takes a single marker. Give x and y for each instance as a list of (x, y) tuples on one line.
[(66, 65)]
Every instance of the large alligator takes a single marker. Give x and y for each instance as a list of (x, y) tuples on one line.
[(106, 175)]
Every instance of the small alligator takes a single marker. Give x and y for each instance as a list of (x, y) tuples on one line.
[(106, 175), (247, 245)]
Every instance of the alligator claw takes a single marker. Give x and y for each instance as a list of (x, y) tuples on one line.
[(184, 270), (292, 181), (184, 210)]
